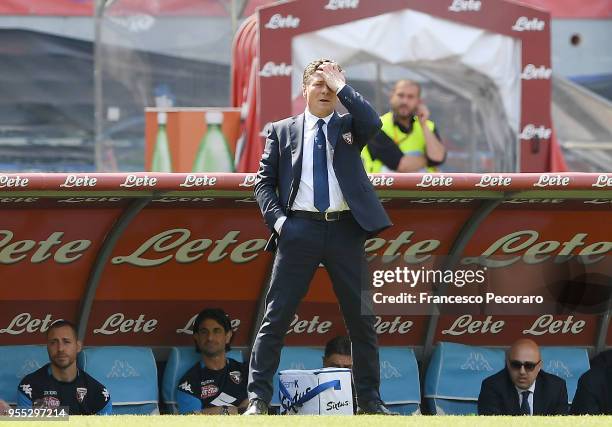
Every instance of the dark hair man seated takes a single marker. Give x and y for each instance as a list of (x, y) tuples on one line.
[(338, 355), (61, 383), (522, 387), (594, 392), (215, 385)]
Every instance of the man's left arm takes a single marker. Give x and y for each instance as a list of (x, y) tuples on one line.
[(489, 399), (366, 122), (187, 403), (245, 374), (107, 409), (586, 399), (106, 402), (24, 401)]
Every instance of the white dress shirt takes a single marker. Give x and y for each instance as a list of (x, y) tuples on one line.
[(304, 199), (530, 399)]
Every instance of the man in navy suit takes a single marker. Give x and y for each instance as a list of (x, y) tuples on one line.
[(320, 206), (522, 387), (594, 392)]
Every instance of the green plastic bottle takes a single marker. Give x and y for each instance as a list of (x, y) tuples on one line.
[(162, 161), (213, 154)]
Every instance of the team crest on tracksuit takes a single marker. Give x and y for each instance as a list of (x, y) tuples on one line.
[(236, 376), (348, 137), (81, 392)]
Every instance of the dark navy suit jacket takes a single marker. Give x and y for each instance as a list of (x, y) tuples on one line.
[(498, 396), (594, 392), (280, 168)]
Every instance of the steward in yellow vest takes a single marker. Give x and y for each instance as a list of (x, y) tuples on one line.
[(408, 140)]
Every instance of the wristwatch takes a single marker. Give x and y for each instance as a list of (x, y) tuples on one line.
[(225, 410)]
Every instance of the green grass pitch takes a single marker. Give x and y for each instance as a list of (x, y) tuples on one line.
[(322, 421)]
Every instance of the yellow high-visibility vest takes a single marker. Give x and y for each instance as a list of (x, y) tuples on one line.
[(408, 143)]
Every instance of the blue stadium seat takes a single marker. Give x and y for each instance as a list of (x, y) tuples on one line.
[(129, 374), (566, 362), (400, 388), (454, 376), (17, 362), (179, 361)]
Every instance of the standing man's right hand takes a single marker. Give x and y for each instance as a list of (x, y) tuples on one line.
[(334, 78), (278, 225)]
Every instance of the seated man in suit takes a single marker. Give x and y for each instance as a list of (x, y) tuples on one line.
[(215, 385), (594, 392), (603, 359), (522, 387)]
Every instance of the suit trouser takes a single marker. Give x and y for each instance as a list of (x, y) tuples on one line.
[(302, 245)]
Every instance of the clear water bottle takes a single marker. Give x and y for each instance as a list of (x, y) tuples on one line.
[(162, 161), (213, 154)]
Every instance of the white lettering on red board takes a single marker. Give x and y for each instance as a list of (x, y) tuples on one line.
[(546, 324), (119, 323), (525, 24), (79, 181), (199, 181), (249, 180), (26, 323), (603, 181), (188, 328), (313, 325), (278, 21), (531, 131), (395, 326), (487, 180), (139, 181), (381, 181), (431, 180), (531, 72), (8, 181), (270, 69), (467, 325), (342, 4), (552, 180), (465, 6)]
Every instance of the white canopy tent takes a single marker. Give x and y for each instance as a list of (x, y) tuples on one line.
[(458, 62), (583, 122)]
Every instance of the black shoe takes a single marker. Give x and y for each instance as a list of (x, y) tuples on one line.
[(256, 407), (374, 407)]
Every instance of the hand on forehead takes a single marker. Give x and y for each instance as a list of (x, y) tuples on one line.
[(328, 65)]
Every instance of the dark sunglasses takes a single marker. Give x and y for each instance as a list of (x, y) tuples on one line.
[(529, 366)]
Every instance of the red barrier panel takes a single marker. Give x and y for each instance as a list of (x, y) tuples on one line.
[(280, 24), (197, 240)]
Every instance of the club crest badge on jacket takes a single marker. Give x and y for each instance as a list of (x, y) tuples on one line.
[(348, 137)]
